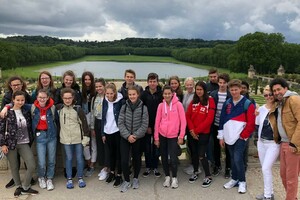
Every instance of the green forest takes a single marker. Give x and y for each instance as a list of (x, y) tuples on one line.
[(265, 51)]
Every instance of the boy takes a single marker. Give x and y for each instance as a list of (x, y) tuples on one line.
[(129, 77)]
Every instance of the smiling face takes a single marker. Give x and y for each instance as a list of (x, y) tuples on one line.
[(18, 101), (174, 84), (152, 83), (110, 95), (99, 88), (268, 96), (16, 85), (222, 85), (68, 99), (129, 78), (279, 91), (189, 85), (68, 81), (133, 96), (45, 80), (235, 92), (42, 98), (87, 81), (168, 94)]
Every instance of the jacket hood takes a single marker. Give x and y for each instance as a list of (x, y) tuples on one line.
[(290, 93), (158, 89), (172, 103), (49, 104), (119, 98)]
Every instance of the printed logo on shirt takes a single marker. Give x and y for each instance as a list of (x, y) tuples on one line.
[(43, 117)]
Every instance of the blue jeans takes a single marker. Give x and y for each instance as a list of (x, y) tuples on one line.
[(46, 147), (237, 160), (70, 150)]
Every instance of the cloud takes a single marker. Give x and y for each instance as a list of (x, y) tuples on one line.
[(109, 20)]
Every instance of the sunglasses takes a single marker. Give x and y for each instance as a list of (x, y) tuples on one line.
[(268, 95)]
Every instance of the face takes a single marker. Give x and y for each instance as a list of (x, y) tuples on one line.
[(174, 85), (222, 84), (110, 95), (244, 89), (45, 80), (213, 78), (189, 85), (19, 101), (199, 91), (268, 96), (68, 99), (87, 81), (99, 88), (129, 78), (235, 92), (168, 94), (152, 83), (68, 81), (133, 95), (279, 91), (16, 85), (42, 99)]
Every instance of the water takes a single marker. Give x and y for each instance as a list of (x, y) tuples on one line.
[(115, 70)]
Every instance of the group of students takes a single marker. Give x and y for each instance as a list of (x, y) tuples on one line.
[(113, 127)]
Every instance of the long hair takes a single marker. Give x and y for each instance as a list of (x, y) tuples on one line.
[(85, 89), (69, 73), (114, 89), (178, 91), (13, 78), (51, 84), (204, 99)]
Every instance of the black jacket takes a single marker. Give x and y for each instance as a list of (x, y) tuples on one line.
[(8, 98), (58, 100)]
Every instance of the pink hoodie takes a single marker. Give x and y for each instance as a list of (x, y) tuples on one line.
[(170, 119)]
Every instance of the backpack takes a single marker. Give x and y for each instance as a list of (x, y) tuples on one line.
[(246, 104)]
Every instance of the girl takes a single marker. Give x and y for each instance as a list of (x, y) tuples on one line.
[(88, 92), (170, 120), (73, 125), (268, 150), (15, 138), (110, 131), (199, 116), (133, 124), (174, 82), (45, 81), (95, 126)]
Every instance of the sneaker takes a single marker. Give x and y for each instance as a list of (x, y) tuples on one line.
[(81, 183), (89, 172), (167, 181), (135, 183), (230, 184), (227, 173), (17, 192), (216, 171), (125, 186), (147, 172), (206, 182), (193, 178), (50, 185), (118, 181), (10, 184), (262, 197), (42, 182), (174, 183), (242, 187), (29, 191), (102, 175), (156, 173), (110, 178), (70, 184)]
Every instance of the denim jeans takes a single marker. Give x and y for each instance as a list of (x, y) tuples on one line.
[(237, 160), (77, 150), (46, 147)]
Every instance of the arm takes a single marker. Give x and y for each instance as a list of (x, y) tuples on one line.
[(124, 132), (295, 106), (189, 117), (144, 125), (208, 119), (157, 121), (182, 120), (221, 123), (250, 124)]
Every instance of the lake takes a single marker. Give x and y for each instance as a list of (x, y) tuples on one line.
[(115, 70)]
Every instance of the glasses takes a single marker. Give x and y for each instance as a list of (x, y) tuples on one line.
[(16, 85), (70, 98), (46, 78), (43, 98), (268, 95)]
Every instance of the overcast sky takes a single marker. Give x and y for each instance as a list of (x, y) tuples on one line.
[(104, 20)]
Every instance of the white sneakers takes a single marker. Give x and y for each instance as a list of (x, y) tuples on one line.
[(174, 183), (242, 185), (190, 170), (46, 184), (168, 183), (102, 175)]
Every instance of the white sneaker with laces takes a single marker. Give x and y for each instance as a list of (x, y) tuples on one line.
[(174, 184), (102, 175), (50, 185), (42, 182), (167, 181), (242, 187), (230, 184)]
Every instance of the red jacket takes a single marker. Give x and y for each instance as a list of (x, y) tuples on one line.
[(200, 118)]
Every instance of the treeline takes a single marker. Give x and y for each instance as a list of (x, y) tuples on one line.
[(266, 52)]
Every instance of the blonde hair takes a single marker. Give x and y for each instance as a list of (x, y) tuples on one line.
[(189, 79), (267, 88)]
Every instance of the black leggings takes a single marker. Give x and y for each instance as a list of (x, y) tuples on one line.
[(112, 145), (169, 146), (125, 147), (102, 155)]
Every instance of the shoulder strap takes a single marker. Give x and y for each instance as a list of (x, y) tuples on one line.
[(246, 105), (32, 109)]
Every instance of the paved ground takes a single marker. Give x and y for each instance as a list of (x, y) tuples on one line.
[(151, 188)]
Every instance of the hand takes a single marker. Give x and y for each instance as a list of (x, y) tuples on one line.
[(222, 143), (93, 133), (156, 142), (3, 113), (180, 141), (4, 149), (131, 138), (103, 139), (194, 135), (85, 141), (292, 149), (149, 130)]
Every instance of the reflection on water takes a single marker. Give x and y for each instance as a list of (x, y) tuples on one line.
[(115, 70)]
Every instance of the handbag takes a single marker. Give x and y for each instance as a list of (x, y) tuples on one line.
[(2, 154)]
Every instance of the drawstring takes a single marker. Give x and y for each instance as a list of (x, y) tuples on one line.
[(165, 104)]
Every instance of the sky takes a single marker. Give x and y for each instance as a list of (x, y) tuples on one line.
[(108, 20)]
